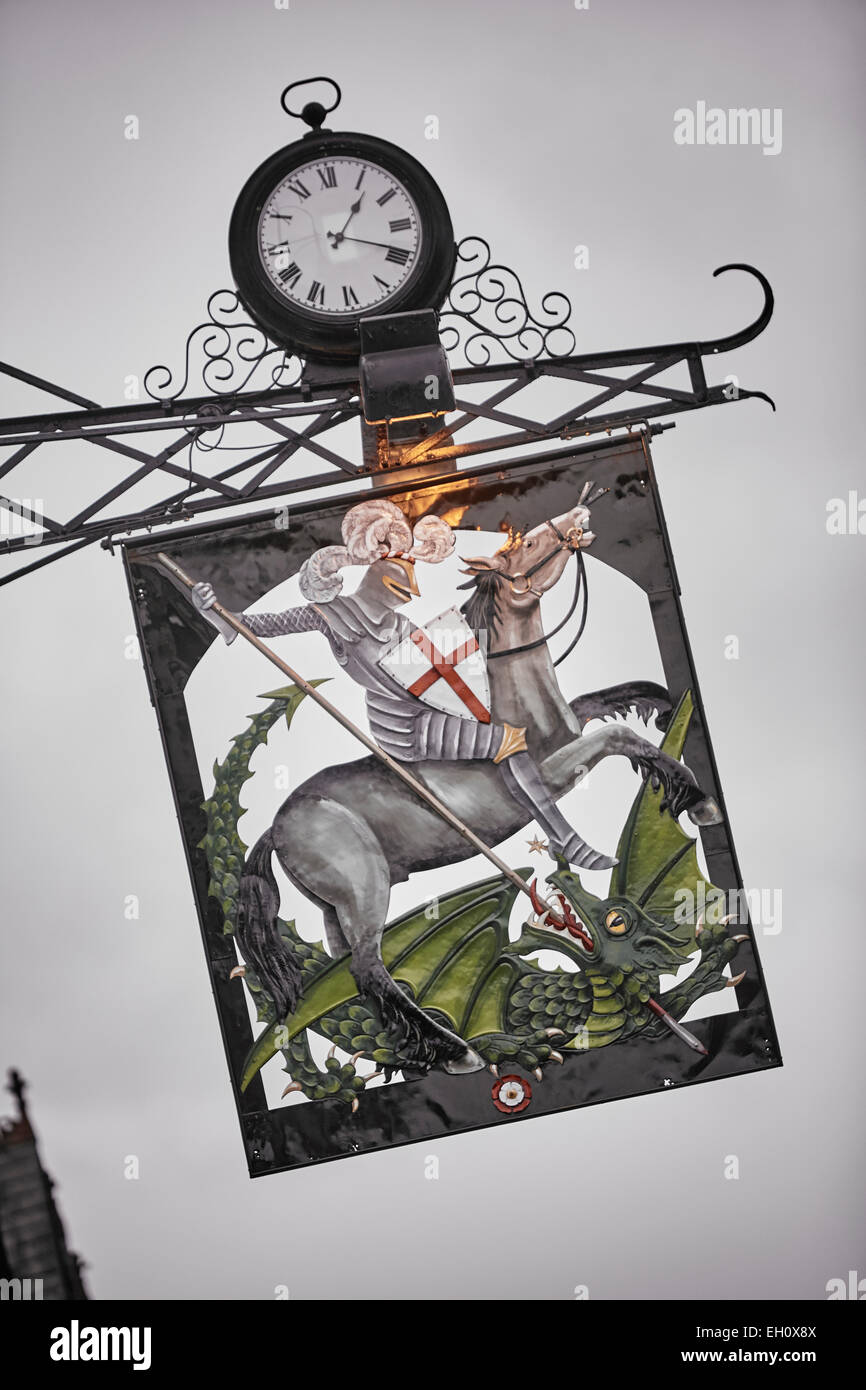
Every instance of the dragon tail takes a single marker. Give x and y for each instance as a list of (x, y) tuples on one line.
[(258, 936)]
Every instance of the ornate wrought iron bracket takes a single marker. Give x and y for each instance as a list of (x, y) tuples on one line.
[(252, 387), (235, 355), (487, 315)]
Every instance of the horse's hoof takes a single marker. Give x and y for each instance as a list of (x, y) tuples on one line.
[(583, 856), (705, 812), (468, 1061), (593, 859)]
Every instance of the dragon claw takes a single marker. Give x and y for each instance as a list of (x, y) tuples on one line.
[(537, 1074), (295, 1086), (557, 1057), (493, 1069), (238, 972), (743, 937), (737, 979), (354, 1105), (554, 1033)]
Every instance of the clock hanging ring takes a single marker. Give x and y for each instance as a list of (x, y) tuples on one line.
[(334, 228)]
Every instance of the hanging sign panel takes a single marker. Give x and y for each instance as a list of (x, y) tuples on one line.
[(455, 831)]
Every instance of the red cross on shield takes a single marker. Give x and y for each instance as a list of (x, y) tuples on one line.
[(443, 665)]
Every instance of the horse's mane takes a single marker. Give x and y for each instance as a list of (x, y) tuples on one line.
[(481, 609)]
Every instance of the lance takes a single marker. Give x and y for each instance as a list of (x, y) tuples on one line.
[(677, 1028), (399, 770)]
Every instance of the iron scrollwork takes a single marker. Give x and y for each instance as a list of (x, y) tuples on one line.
[(487, 314), (234, 352)]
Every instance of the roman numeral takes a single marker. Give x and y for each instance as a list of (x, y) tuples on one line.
[(290, 275), (380, 281), (328, 175), (397, 255), (278, 246), (317, 293), (349, 296), (402, 224), (300, 189), (281, 216), (360, 178), (386, 196)]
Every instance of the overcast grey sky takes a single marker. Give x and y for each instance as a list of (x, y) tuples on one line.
[(556, 128)]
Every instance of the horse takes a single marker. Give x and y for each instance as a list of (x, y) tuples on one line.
[(351, 831)]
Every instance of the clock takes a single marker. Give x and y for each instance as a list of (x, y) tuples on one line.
[(333, 228)]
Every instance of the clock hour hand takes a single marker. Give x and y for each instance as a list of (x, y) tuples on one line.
[(339, 236)]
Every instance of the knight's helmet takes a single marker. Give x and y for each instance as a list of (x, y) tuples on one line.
[(377, 534)]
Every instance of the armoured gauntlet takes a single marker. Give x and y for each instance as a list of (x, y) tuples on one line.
[(203, 598)]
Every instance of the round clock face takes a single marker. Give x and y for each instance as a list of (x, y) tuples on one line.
[(339, 237), (335, 228)]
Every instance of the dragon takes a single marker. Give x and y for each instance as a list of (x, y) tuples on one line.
[(456, 958)]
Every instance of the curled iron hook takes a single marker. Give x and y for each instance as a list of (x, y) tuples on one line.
[(745, 335)]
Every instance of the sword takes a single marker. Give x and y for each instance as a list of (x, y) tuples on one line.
[(391, 763)]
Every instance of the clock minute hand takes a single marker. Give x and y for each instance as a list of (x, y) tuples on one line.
[(364, 242)]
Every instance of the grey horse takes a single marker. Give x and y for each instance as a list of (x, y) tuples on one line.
[(347, 834)]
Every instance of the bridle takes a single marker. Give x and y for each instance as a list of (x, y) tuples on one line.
[(570, 541)]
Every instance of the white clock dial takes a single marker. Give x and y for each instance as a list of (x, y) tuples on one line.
[(339, 236)]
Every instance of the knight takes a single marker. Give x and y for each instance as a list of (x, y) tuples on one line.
[(365, 630)]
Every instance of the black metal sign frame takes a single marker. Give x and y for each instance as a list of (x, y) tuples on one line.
[(245, 559)]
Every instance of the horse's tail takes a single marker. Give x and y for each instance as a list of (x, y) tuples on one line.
[(258, 935)]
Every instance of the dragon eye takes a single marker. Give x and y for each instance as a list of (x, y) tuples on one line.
[(616, 923)]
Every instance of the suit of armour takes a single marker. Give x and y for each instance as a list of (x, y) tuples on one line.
[(361, 629)]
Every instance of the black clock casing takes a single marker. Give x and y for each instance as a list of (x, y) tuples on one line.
[(335, 337)]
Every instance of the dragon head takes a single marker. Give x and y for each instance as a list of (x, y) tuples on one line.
[(642, 924), (604, 934)]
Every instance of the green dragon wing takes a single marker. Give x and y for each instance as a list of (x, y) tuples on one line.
[(453, 953), (448, 953), (658, 863)]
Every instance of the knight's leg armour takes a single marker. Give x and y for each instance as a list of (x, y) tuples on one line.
[(527, 786), (411, 732)]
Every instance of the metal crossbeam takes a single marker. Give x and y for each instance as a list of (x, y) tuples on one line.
[(318, 401)]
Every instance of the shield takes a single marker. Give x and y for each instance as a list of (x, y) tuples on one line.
[(442, 664)]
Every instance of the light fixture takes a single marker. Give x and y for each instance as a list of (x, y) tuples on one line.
[(404, 373)]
